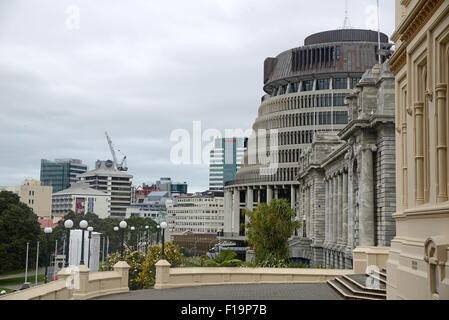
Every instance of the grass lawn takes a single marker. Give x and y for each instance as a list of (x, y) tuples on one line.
[(6, 289), (20, 280)]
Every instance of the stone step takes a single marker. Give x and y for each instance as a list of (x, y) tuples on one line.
[(357, 291), (381, 274), (361, 281), (345, 292), (377, 277)]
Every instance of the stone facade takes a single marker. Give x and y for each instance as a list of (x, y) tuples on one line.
[(418, 264), (347, 179)]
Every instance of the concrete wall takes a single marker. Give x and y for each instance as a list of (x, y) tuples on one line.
[(191, 277), (80, 285)]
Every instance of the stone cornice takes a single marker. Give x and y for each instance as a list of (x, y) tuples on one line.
[(398, 60)]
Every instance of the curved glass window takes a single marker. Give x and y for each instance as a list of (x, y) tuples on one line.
[(340, 83), (307, 85), (322, 84)]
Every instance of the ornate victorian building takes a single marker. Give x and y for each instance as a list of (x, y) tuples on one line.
[(347, 180), (306, 89), (418, 266)]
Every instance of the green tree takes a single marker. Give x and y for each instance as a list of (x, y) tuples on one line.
[(269, 228), (18, 225), (173, 255)]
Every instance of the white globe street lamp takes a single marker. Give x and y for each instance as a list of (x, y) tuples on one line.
[(47, 232), (83, 226), (68, 224)]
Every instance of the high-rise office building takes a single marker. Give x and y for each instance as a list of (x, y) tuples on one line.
[(116, 184), (225, 159), (60, 173)]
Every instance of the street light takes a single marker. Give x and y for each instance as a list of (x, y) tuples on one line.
[(47, 232), (123, 226), (90, 229), (133, 229), (68, 224), (163, 227), (147, 228), (83, 226), (158, 231)]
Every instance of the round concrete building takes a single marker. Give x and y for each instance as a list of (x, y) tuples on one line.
[(305, 91)]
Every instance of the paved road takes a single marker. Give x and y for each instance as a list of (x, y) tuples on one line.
[(315, 291)]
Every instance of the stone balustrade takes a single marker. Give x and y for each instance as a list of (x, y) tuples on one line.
[(365, 257), (167, 277), (78, 285)]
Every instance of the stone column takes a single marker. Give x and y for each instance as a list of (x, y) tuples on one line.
[(366, 219), (441, 142), (340, 208), (293, 197), (228, 208), (276, 193), (345, 207), (122, 267), (330, 228), (236, 212), (250, 199), (351, 208), (419, 156), (335, 210), (326, 210), (269, 194)]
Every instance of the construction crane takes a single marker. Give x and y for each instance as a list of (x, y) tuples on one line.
[(122, 166)]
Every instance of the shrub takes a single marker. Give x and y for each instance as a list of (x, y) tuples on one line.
[(231, 263), (225, 255), (134, 259), (173, 255)]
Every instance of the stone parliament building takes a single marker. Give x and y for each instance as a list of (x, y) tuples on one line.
[(306, 88), (347, 179)]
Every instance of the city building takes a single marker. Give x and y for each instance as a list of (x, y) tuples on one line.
[(347, 179), (36, 196), (81, 199), (163, 184), (61, 173), (418, 266), (116, 184), (195, 243), (225, 159), (201, 213), (305, 90), (153, 206)]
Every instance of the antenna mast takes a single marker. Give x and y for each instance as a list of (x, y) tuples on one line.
[(346, 23)]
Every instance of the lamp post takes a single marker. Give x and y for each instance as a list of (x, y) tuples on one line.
[(163, 227), (90, 229), (116, 229), (68, 224), (83, 226), (132, 231), (123, 226), (158, 231), (47, 232), (147, 228)]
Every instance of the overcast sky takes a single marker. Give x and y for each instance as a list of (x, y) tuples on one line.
[(140, 69)]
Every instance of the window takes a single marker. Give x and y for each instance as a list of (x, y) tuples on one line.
[(339, 99), (353, 82), (322, 84), (307, 85), (340, 83), (340, 117)]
